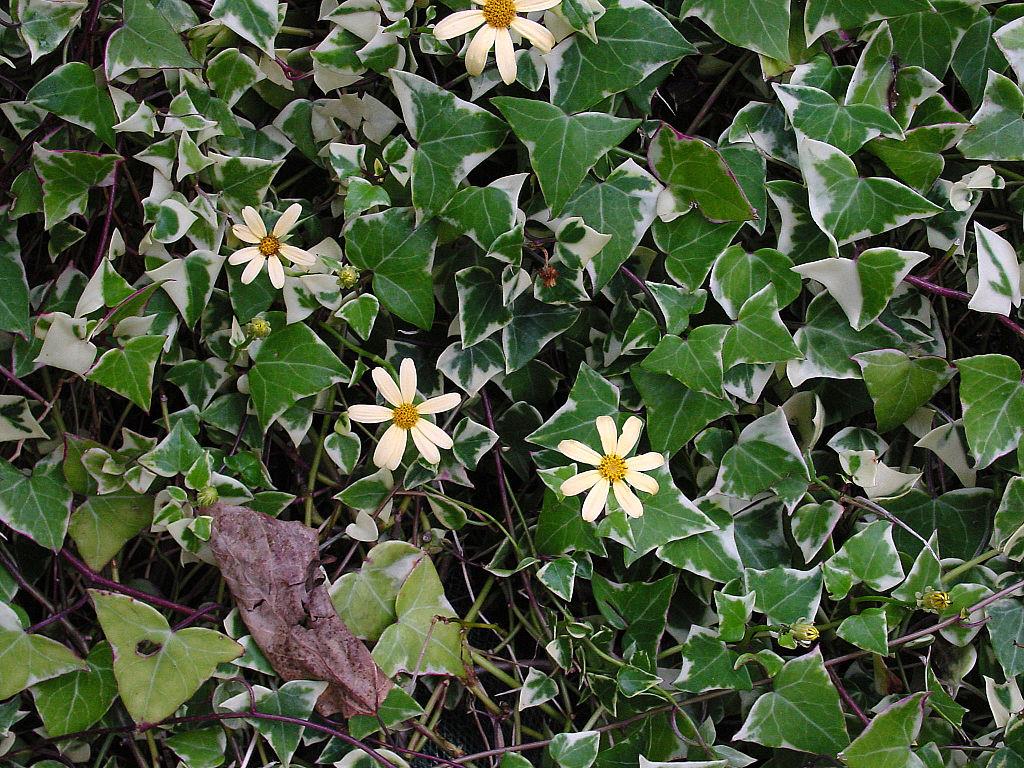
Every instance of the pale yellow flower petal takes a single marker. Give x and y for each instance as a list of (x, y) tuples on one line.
[(537, 34), (254, 222), (458, 23), (287, 221), (505, 56), (595, 502), (245, 234), (243, 255), (433, 433), (386, 385), (388, 453), (370, 414), (276, 271), (253, 269), (630, 435), (577, 484), (476, 56), (297, 255), (628, 500), (645, 462), (642, 482), (606, 429), (426, 448), (407, 380), (529, 6), (577, 451), (439, 404)]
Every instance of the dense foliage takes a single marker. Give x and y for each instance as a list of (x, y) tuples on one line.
[(595, 383)]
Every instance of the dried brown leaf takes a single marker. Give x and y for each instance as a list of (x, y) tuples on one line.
[(273, 570)]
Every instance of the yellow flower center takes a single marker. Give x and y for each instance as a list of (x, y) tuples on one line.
[(804, 632), (937, 601), (612, 468), (405, 416), (499, 13), (269, 245)]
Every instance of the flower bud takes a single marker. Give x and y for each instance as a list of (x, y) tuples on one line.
[(804, 632), (207, 496), (933, 600), (258, 328), (348, 276)]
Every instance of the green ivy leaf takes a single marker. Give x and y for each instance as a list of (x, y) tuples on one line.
[(365, 599), (71, 92), (870, 557), (802, 711), (814, 113), (14, 307), (29, 659), (103, 524), (886, 742), (993, 400), (633, 41), (452, 137), (575, 750), (129, 370), (401, 255), (146, 40), (37, 505), (294, 699), (67, 178), (291, 363), (867, 629), (759, 25), (77, 700), (45, 23), (823, 16), (548, 132), (149, 656), (696, 174), (675, 413)]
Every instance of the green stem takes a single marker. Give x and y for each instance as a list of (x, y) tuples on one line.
[(952, 573), (315, 466), (359, 350)]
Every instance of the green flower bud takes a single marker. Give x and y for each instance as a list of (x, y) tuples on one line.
[(933, 600), (348, 276), (207, 496), (804, 632), (258, 328)]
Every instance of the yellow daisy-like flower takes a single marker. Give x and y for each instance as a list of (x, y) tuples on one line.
[(613, 470), (268, 247), (495, 18), (406, 418)]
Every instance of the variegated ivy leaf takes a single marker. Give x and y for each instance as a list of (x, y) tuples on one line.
[(928, 38), (16, 420), (485, 213), (400, 255), (481, 311), (800, 238), (452, 137), (231, 73), (850, 207), (470, 368), (534, 324), (295, 699), (916, 158), (255, 20), (36, 505), (696, 175), (888, 739), (784, 595), (291, 363), (998, 124), (759, 335), (764, 456), (623, 206), (71, 91), (547, 133), (870, 557), (44, 24), (360, 313), (758, 25), (129, 370), (696, 362), (242, 180), (999, 277), (814, 113), (67, 176), (899, 385), (738, 275), (802, 711), (634, 41), (823, 16), (675, 412), (14, 306), (812, 525), (147, 40), (591, 396), (993, 400), (874, 74), (189, 282), (1010, 39), (863, 287)]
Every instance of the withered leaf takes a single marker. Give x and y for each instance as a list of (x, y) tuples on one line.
[(273, 570)]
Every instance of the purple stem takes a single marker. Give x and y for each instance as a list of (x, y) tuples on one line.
[(105, 232), (23, 386), (847, 699), (59, 615), (950, 293), (94, 578)]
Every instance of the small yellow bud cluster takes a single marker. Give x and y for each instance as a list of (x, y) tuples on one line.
[(258, 328), (804, 632), (207, 496), (348, 276), (933, 600)]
